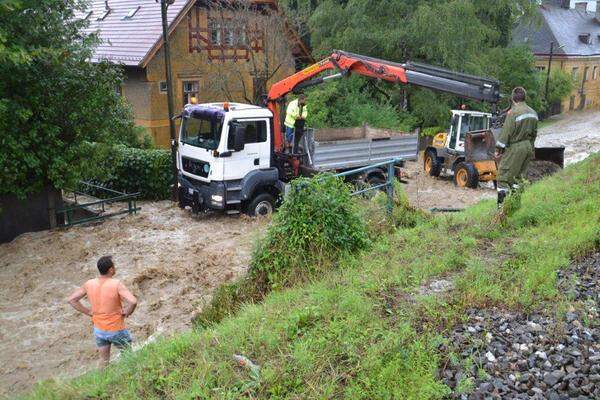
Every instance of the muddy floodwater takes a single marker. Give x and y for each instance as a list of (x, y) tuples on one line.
[(578, 132), (170, 260)]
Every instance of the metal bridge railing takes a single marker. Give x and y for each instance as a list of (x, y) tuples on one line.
[(388, 185), (79, 213)]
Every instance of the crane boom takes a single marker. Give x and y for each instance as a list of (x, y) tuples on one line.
[(345, 63)]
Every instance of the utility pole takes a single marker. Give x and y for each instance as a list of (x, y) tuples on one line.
[(164, 4), (548, 73)]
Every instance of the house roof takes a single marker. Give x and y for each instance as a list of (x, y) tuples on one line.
[(134, 41), (131, 41), (563, 27)]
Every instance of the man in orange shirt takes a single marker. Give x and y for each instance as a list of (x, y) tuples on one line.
[(108, 315)]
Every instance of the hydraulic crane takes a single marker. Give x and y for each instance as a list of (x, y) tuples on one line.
[(343, 64)]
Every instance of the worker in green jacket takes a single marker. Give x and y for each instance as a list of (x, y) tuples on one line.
[(515, 143), (295, 117)]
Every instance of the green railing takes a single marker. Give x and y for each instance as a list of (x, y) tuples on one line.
[(388, 185), (78, 213)]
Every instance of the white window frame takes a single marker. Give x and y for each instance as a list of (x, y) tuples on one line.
[(132, 12)]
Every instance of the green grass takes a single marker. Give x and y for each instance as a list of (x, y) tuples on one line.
[(360, 331)]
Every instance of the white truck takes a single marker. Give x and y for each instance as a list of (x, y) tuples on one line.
[(226, 159)]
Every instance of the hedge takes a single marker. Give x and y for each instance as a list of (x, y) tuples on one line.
[(130, 170)]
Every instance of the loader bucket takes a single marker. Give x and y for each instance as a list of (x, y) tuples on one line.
[(479, 146), (552, 154)]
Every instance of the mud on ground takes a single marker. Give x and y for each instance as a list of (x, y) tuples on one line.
[(170, 260)]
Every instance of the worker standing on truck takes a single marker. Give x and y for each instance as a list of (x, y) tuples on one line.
[(516, 143), (295, 117), (108, 315)]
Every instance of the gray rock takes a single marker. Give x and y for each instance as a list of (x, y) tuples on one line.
[(571, 316), (552, 378), (533, 327)]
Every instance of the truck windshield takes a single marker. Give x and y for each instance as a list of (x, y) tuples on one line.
[(200, 132)]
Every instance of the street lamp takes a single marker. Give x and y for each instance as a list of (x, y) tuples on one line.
[(164, 4), (550, 66)]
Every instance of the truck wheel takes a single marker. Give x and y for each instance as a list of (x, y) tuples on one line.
[(263, 204), (466, 175), (432, 164)]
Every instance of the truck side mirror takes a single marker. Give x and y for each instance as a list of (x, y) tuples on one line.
[(239, 136)]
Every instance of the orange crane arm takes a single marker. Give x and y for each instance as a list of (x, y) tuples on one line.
[(427, 76), (344, 63)]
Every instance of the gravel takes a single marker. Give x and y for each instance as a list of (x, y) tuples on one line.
[(543, 355)]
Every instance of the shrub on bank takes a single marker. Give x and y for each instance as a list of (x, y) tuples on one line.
[(317, 224), (131, 170)]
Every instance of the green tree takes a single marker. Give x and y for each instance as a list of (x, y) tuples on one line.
[(561, 84), (464, 35), (515, 66), (52, 100)]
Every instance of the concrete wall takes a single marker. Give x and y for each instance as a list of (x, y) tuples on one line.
[(142, 87), (585, 95), (36, 213)]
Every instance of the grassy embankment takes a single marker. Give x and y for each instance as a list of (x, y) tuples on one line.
[(361, 330)]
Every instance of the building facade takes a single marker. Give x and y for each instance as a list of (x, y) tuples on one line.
[(567, 36), (218, 53)]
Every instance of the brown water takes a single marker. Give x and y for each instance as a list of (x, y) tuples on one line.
[(169, 259)]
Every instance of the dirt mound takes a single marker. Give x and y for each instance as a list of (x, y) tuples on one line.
[(539, 169), (171, 261)]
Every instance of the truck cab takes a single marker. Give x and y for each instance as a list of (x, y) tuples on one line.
[(224, 158)]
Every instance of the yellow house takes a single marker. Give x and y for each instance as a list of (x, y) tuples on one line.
[(219, 51), (567, 36)]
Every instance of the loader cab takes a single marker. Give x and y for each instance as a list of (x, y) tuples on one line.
[(464, 121)]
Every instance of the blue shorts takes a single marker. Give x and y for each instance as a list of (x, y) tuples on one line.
[(120, 339), (289, 134)]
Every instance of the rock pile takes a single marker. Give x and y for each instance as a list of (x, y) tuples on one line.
[(500, 354)]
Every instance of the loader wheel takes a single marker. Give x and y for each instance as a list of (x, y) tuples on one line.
[(432, 164), (466, 175), (261, 205)]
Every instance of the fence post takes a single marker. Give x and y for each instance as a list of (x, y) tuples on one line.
[(390, 186)]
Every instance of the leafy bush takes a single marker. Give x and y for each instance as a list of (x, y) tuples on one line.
[(432, 131), (561, 84), (317, 224), (379, 221), (351, 103), (130, 169)]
